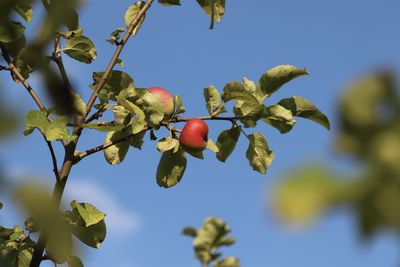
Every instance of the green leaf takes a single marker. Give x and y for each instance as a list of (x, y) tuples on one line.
[(152, 107), (74, 261), (131, 14), (228, 262), (79, 105), (24, 9), (103, 127), (170, 2), (137, 140), (168, 143), (80, 48), (273, 79), (209, 238), (59, 246), (116, 82), (279, 117), (122, 115), (305, 194), (196, 154), (171, 168), (70, 34), (24, 258), (214, 8), (137, 115), (227, 241), (258, 153), (54, 130), (178, 105), (301, 107), (1, 205), (245, 101), (11, 31), (116, 154), (254, 89), (115, 36), (93, 235), (213, 101), (226, 142), (88, 212), (21, 62), (211, 146), (189, 231), (120, 62)]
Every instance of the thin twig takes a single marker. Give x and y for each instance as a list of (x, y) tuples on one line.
[(115, 56), (97, 115), (54, 159), (105, 146), (24, 82), (56, 57), (184, 119)]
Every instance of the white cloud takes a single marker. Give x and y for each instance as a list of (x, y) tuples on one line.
[(119, 219)]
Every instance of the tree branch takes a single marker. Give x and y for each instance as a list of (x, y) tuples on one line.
[(99, 148), (205, 118), (54, 159), (97, 115), (56, 57), (115, 56), (14, 70)]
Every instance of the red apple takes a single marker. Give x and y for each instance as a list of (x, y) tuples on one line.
[(166, 99), (194, 137)]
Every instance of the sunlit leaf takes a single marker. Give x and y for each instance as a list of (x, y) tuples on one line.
[(301, 107), (226, 142), (80, 48), (116, 82), (115, 154), (213, 101), (258, 153), (54, 130), (168, 143), (131, 14), (279, 117), (89, 213), (171, 168), (214, 8), (273, 79), (228, 262)]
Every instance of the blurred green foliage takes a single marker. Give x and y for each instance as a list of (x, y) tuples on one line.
[(369, 133), (207, 241)]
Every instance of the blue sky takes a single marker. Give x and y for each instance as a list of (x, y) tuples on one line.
[(336, 40)]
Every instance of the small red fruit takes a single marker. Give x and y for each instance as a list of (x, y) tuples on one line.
[(194, 137), (166, 99)]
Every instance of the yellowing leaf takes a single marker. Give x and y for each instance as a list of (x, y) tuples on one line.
[(131, 14)]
